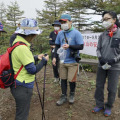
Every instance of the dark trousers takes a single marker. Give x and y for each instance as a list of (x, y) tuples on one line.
[(22, 96), (113, 77), (55, 68)]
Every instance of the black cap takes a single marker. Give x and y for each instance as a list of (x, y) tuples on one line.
[(56, 22)]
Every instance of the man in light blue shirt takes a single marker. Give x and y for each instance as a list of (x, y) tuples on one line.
[(71, 41)]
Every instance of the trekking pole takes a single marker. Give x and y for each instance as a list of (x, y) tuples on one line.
[(43, 114), (39, 96), (39, 93)]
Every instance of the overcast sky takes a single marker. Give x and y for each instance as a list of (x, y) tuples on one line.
[(28, 6)]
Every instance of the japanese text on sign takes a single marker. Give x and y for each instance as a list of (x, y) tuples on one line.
[(90, 43)]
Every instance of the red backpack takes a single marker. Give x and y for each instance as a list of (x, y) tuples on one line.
[(7, 76)]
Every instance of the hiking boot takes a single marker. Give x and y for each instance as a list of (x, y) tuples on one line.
[(107, 112), (97, 109), (71, 98), (63, 99), (56, 80)]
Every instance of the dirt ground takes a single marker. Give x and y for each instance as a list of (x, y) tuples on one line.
[(80, 110)]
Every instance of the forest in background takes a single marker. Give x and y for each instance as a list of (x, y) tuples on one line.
[(11, 15)]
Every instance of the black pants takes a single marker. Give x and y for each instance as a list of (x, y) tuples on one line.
[(55, 68), (22, 96), (113, 77)]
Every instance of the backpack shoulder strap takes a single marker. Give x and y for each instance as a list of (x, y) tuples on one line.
[(18, 72), (10, 49)]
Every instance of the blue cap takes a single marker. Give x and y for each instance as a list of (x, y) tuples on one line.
[(28, 26), (1, 28), (65, 17), (56, 22)]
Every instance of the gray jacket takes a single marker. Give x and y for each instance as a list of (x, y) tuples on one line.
[(109, 48)]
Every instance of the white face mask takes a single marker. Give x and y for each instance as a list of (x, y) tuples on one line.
[(107, 24), (56, 28), (65, 26)]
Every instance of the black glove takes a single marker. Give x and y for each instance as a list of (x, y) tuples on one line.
[(102, 61), (111, 61)]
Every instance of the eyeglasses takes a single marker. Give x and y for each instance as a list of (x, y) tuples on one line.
[(106, 19)]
